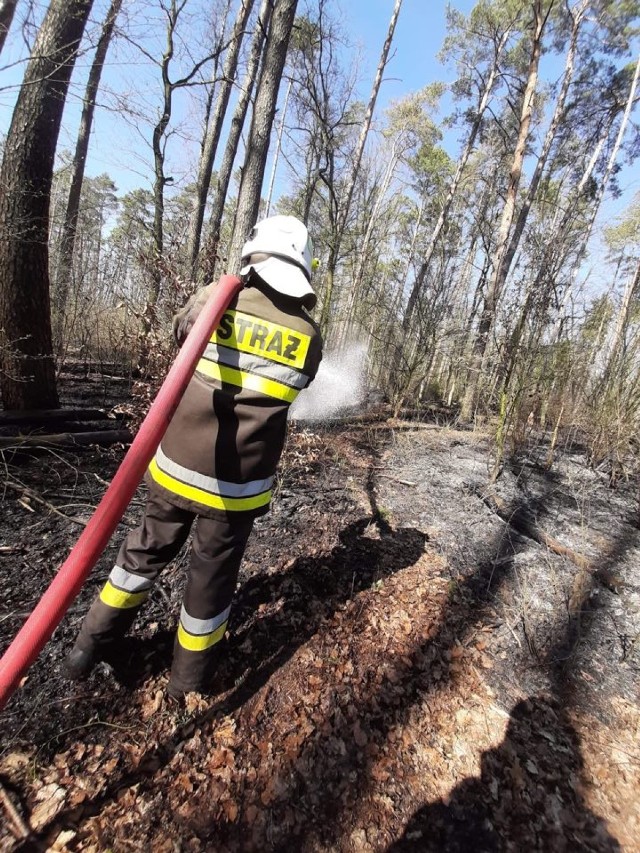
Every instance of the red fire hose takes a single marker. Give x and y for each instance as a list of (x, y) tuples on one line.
[(54, 603)]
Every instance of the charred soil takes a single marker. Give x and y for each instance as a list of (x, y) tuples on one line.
[(408, 666)]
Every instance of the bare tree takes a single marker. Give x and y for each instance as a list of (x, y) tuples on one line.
[(499, 273), (347, 197), (264, 111), (484, 96), (173, 10), (67, 241), (210, 253), (212, 135), (27, 376)]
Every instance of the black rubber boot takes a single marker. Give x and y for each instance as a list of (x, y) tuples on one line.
[(175, 694), (79, 664)]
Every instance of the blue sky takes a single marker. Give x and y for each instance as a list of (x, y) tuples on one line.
[(123, 151), (419, 34)]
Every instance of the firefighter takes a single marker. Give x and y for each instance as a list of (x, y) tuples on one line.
[(214, 470)]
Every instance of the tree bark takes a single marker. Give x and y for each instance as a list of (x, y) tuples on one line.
[(7, 9), (67, 241), (27, 377), (212, 136), (261, 123)]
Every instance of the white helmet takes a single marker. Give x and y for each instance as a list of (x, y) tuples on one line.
[(280, 251)]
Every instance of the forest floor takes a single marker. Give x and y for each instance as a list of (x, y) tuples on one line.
[(405, 669)]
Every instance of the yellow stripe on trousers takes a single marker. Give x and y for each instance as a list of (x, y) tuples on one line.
[(193, 493), (242, 379), (200, 642), (120, 598)]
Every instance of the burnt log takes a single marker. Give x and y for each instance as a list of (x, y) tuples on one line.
[(52, 416), (67, 439)]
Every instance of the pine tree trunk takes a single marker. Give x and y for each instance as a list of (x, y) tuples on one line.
[(209, 259), (558, 113), (67, 241), (455, 182), (7, 9), (498, 277), (264, 111), (27, 376)]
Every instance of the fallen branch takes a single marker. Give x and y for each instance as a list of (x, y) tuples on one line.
[(522, 521), (395, 480), (40, 416), (30, 495), (16, 823), (67, 439)]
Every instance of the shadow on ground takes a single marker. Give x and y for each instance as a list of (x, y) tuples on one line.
[(526, 798), (295, 604), (528, 794)]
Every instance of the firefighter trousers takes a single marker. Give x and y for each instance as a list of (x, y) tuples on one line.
[(216, 553)]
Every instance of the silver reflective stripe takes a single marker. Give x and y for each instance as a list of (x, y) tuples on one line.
[(255, 364), (122, 579), (211, 484), (198, 627)]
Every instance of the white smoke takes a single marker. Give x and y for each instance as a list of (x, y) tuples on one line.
[(338, 387)]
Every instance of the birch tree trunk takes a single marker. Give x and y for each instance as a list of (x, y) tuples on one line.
[(27, 376), (601, 187), (264, 111), (67, 240), (611, 161), (212, 136)]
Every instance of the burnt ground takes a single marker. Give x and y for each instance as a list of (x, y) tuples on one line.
[(404, 669)]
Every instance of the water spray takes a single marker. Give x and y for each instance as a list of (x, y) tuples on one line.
[(338, 388)]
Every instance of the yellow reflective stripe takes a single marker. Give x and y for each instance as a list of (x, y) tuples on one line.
[(262, 337), (269, 387), (193, 493), (120, 598), (198, 643)]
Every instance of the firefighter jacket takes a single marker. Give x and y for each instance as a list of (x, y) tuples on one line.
[(219, 455)]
